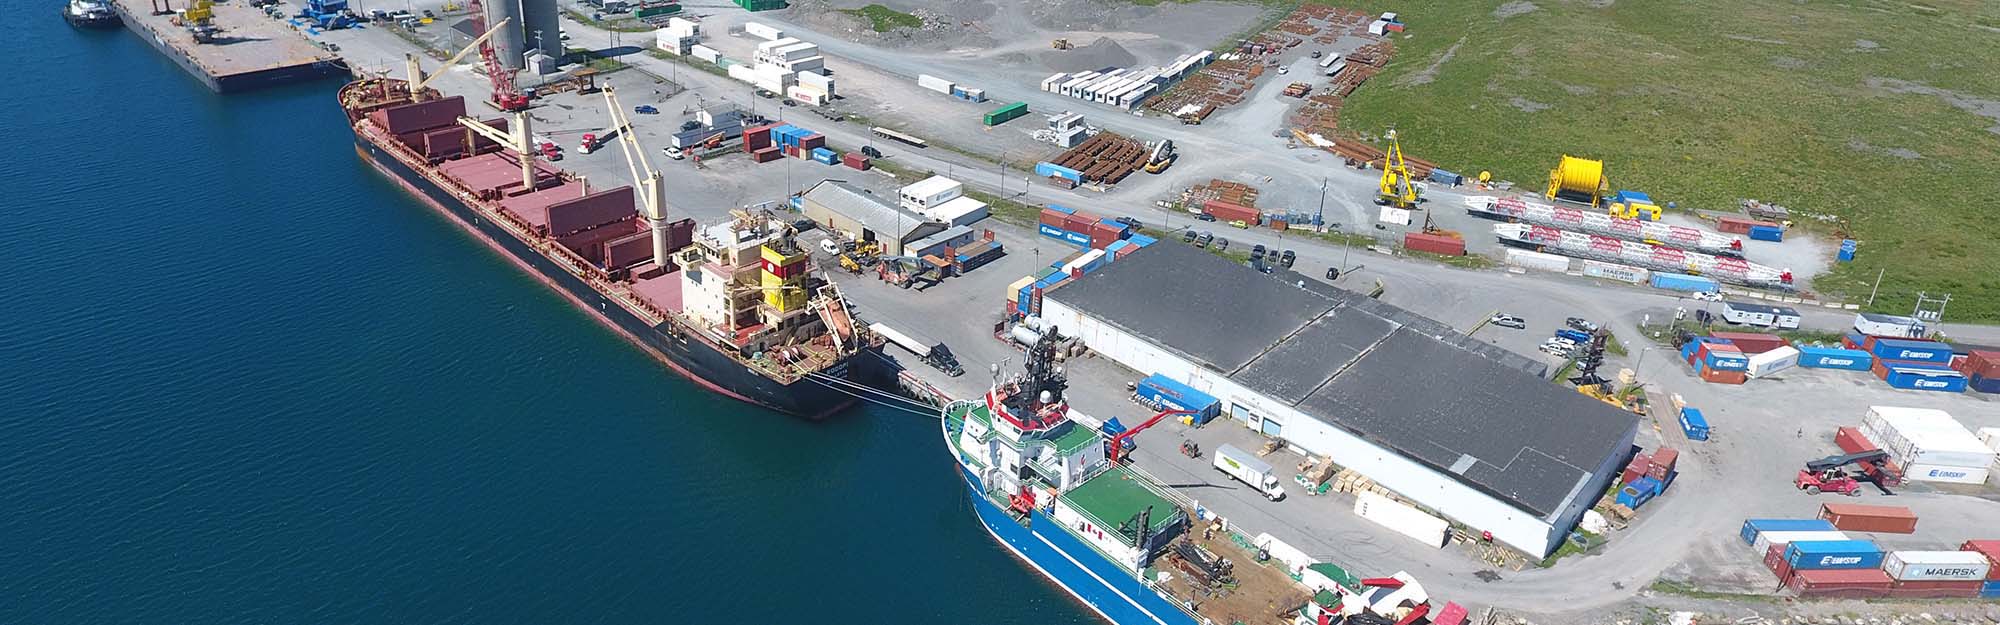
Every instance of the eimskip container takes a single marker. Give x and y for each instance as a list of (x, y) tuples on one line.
[(1835, 554), (1754, 527)]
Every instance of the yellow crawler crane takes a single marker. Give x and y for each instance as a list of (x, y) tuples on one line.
[(1397, 188)]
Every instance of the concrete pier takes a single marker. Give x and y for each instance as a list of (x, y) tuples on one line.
[(253, 50)]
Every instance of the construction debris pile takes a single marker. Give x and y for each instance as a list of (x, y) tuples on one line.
[(1320, 114), (1228, 80), (1105, 157), (1221, 190)]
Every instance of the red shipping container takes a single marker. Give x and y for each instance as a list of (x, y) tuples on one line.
[(1851, 440), (757, 138), (1752, 343), (1103, 235), (1936, 589), (1738, 225), (1280, 224), (1983, 363), (1663, 462), (1988, 548), (1013, 308), (1054, 218), (1774, 559), (1841, 582), (811, 142), (1225, 211), (1863, 518), (1848, 342), (1435, 244), (1635, 469), (1713, 376), (1080, 222)]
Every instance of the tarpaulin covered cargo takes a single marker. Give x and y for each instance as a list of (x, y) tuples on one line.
[(1167, 393), (1835, 358), (1865, 518), (1936, 565), (1754, 527), (1833, 554)]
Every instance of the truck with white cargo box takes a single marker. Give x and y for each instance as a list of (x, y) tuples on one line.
[(1246, 467)]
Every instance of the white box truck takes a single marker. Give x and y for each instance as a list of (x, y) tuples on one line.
[(1244, 466)]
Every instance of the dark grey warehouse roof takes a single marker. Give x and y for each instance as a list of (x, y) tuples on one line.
[(1404, 381)]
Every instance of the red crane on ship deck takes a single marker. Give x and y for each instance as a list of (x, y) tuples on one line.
[(1115, 446), (505, 95)]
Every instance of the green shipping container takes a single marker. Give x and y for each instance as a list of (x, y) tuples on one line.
[(761, 5), (661, 9), (1006, 113)]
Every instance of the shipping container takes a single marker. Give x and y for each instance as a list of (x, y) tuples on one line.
[(1767, 233), (1227, 211), (1920, 379), (1946, 474), (1766, 539), (1989, 590), (1752, 343), (1774, 559), (1865, 582), (1402, 518), (1636, 468), (1988, 548), (1753, 527), (1835, 358), (1836, 554), (1435, 244), (1637, 493), (1693, 424), (934, 83), (1536, 260), (1936, 566), (1911, 350), (1923, 436), (1865, 518), (1165, 393), (1683, 282), (1936, 589), (1662, 464), (1614, 271), (1051, 170), (1887, 325), (1981, 362), (1774, 361), (1983, 384)]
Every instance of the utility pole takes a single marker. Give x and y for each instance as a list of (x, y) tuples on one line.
[(1319, 216), (1878, 285)]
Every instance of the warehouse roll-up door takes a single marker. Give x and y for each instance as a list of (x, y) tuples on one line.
[(1238, 412), (1272, 428)]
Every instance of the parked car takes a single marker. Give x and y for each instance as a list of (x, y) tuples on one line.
[(1257, 252), (1205, 217), (1332, 273), (646, 109), (674, 153), (1580, 324), (1134, 223), (690, 125), (1221, 245), (1508, 321), (1288, 258), (1205, 238), (1238, 223), (870, 151), (1555, 350), (1579, 337), (1708, 296), (1187, 236)]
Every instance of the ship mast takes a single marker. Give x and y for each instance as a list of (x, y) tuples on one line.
[(652, 187)]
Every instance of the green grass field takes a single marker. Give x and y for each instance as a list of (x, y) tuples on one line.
[(884, 19), (1885, 114)]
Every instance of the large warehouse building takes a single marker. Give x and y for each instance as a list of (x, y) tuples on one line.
[(1451, 423)]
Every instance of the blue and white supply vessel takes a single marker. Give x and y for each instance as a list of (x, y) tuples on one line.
[(1044, 487)]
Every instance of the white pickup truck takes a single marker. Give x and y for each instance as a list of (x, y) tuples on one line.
[(1244, 466)]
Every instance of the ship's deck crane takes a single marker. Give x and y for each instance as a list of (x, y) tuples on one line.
[(417, 78), (1397, 188), (1115, 447), (505, 95), (652, 188)]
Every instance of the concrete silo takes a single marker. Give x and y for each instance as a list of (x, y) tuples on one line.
[(509, 44), (541, 26)]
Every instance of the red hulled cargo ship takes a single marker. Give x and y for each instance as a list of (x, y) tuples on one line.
[(734, 306)]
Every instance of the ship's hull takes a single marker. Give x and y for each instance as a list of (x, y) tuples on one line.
[(693, 358), (98, 20), (1110, 591)]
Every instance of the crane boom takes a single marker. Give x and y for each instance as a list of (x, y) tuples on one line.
[(652, 187), (505, 95), (417, 78), (1117, 442)]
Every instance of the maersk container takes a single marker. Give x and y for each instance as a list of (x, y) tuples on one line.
[(1917, 351), (1170, 394), (1683, 282), (1753, 527), (1046, 169), (1833, 554), (1835, 358), (1767, 233), (1936, 565)]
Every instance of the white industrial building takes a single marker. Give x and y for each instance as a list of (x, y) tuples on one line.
[(679, 37), (1458, 426), (943, 200)]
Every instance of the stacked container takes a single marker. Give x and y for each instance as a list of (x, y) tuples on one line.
[(1861, 518), (1766, 540), (1910, 350), (1752, 528), (1841, 582), (1751, 342), (1817, 555), (1850, 440), (1990, 587), (1930, 445), (1773, 361), (1225, 211), (1937, 574), (1718, 361), (1982, 370)]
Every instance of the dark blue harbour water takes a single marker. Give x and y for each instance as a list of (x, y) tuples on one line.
[(247, 380)]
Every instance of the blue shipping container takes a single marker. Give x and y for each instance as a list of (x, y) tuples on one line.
[(1926, 379), (1046, 169), (1834, 358), (1693, 424), (1919, 351), (1833, 554), (1726, 361), (1023, 299), (1168, 393), (1077, 238), (1982, 384), (1638, 492), (1682, 282), (1846, 255), (1062, 209), (1111, 251), (1142, 240), (1444, 177), (1989, 590), (1767, 233), (1753, 527)]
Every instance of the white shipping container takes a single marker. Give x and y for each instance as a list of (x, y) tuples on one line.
[(743, 72), (1990, 436), (761, 31), (1947, 474), (1615, 271), (1766, 539), (1912, 566), (1134, 98), (1767, 363), (1076, 82), (705, 53), (934, 83), (1050, 83), (1922, 436), (775, 44), (1402, 518), (1537, 260)]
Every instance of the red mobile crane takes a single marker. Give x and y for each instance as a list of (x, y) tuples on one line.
[(1115, 447), (505, 95)]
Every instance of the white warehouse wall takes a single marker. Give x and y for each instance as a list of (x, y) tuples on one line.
[(1406, 477)]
